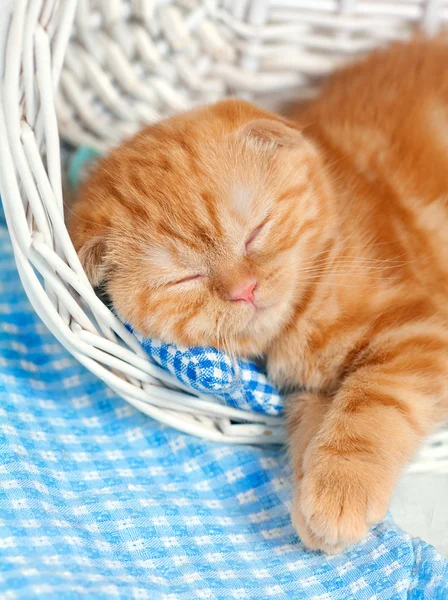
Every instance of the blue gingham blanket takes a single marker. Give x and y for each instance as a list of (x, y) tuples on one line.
[(99, 501), (238, 383)]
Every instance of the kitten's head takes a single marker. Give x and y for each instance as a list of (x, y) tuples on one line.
[(198, 226)]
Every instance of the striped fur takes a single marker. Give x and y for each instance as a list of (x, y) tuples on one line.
[(351, 263)]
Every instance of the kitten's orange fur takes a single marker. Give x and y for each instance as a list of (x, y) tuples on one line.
[(351, 264)]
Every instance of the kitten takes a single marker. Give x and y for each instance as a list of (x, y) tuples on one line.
[(321, 244)]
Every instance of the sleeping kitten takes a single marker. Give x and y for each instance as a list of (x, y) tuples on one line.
[(320, 244)]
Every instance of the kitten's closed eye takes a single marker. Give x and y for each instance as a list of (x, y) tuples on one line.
[(253, 235), (189, 278)]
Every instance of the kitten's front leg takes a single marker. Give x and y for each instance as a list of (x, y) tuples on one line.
[(305, 412), (370, 431)]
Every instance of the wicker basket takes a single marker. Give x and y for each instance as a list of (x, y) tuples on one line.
[(128, 63)]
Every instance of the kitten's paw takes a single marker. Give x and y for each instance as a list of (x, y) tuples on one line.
[(339, 499), (308, 538)]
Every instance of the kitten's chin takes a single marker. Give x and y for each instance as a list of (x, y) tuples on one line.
[(265, 324)]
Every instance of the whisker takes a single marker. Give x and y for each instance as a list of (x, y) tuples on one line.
[(334, 284), (361, 267), (343, 273)]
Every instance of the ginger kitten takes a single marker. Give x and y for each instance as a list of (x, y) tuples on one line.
[(321, 244)]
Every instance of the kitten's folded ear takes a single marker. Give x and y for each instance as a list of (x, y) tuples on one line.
[(91, 253), (277, 132)]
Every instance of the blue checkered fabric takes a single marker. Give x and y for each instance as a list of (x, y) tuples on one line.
[(240, 383), (98, 501)]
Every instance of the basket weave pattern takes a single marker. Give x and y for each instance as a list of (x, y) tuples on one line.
[(92, 72)]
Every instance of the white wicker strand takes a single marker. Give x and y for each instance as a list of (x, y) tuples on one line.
[(210, 429), (44, 79), (50, 130), (432, 17), (47, 12), (61, 37), (28, 61)]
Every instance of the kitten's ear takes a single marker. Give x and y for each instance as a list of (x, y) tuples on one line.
[(92, 254), (271, 131)]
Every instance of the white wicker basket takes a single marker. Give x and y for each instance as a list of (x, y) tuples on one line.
[(131, 62)]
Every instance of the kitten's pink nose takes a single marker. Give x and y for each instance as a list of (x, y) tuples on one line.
[(244, 292)]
